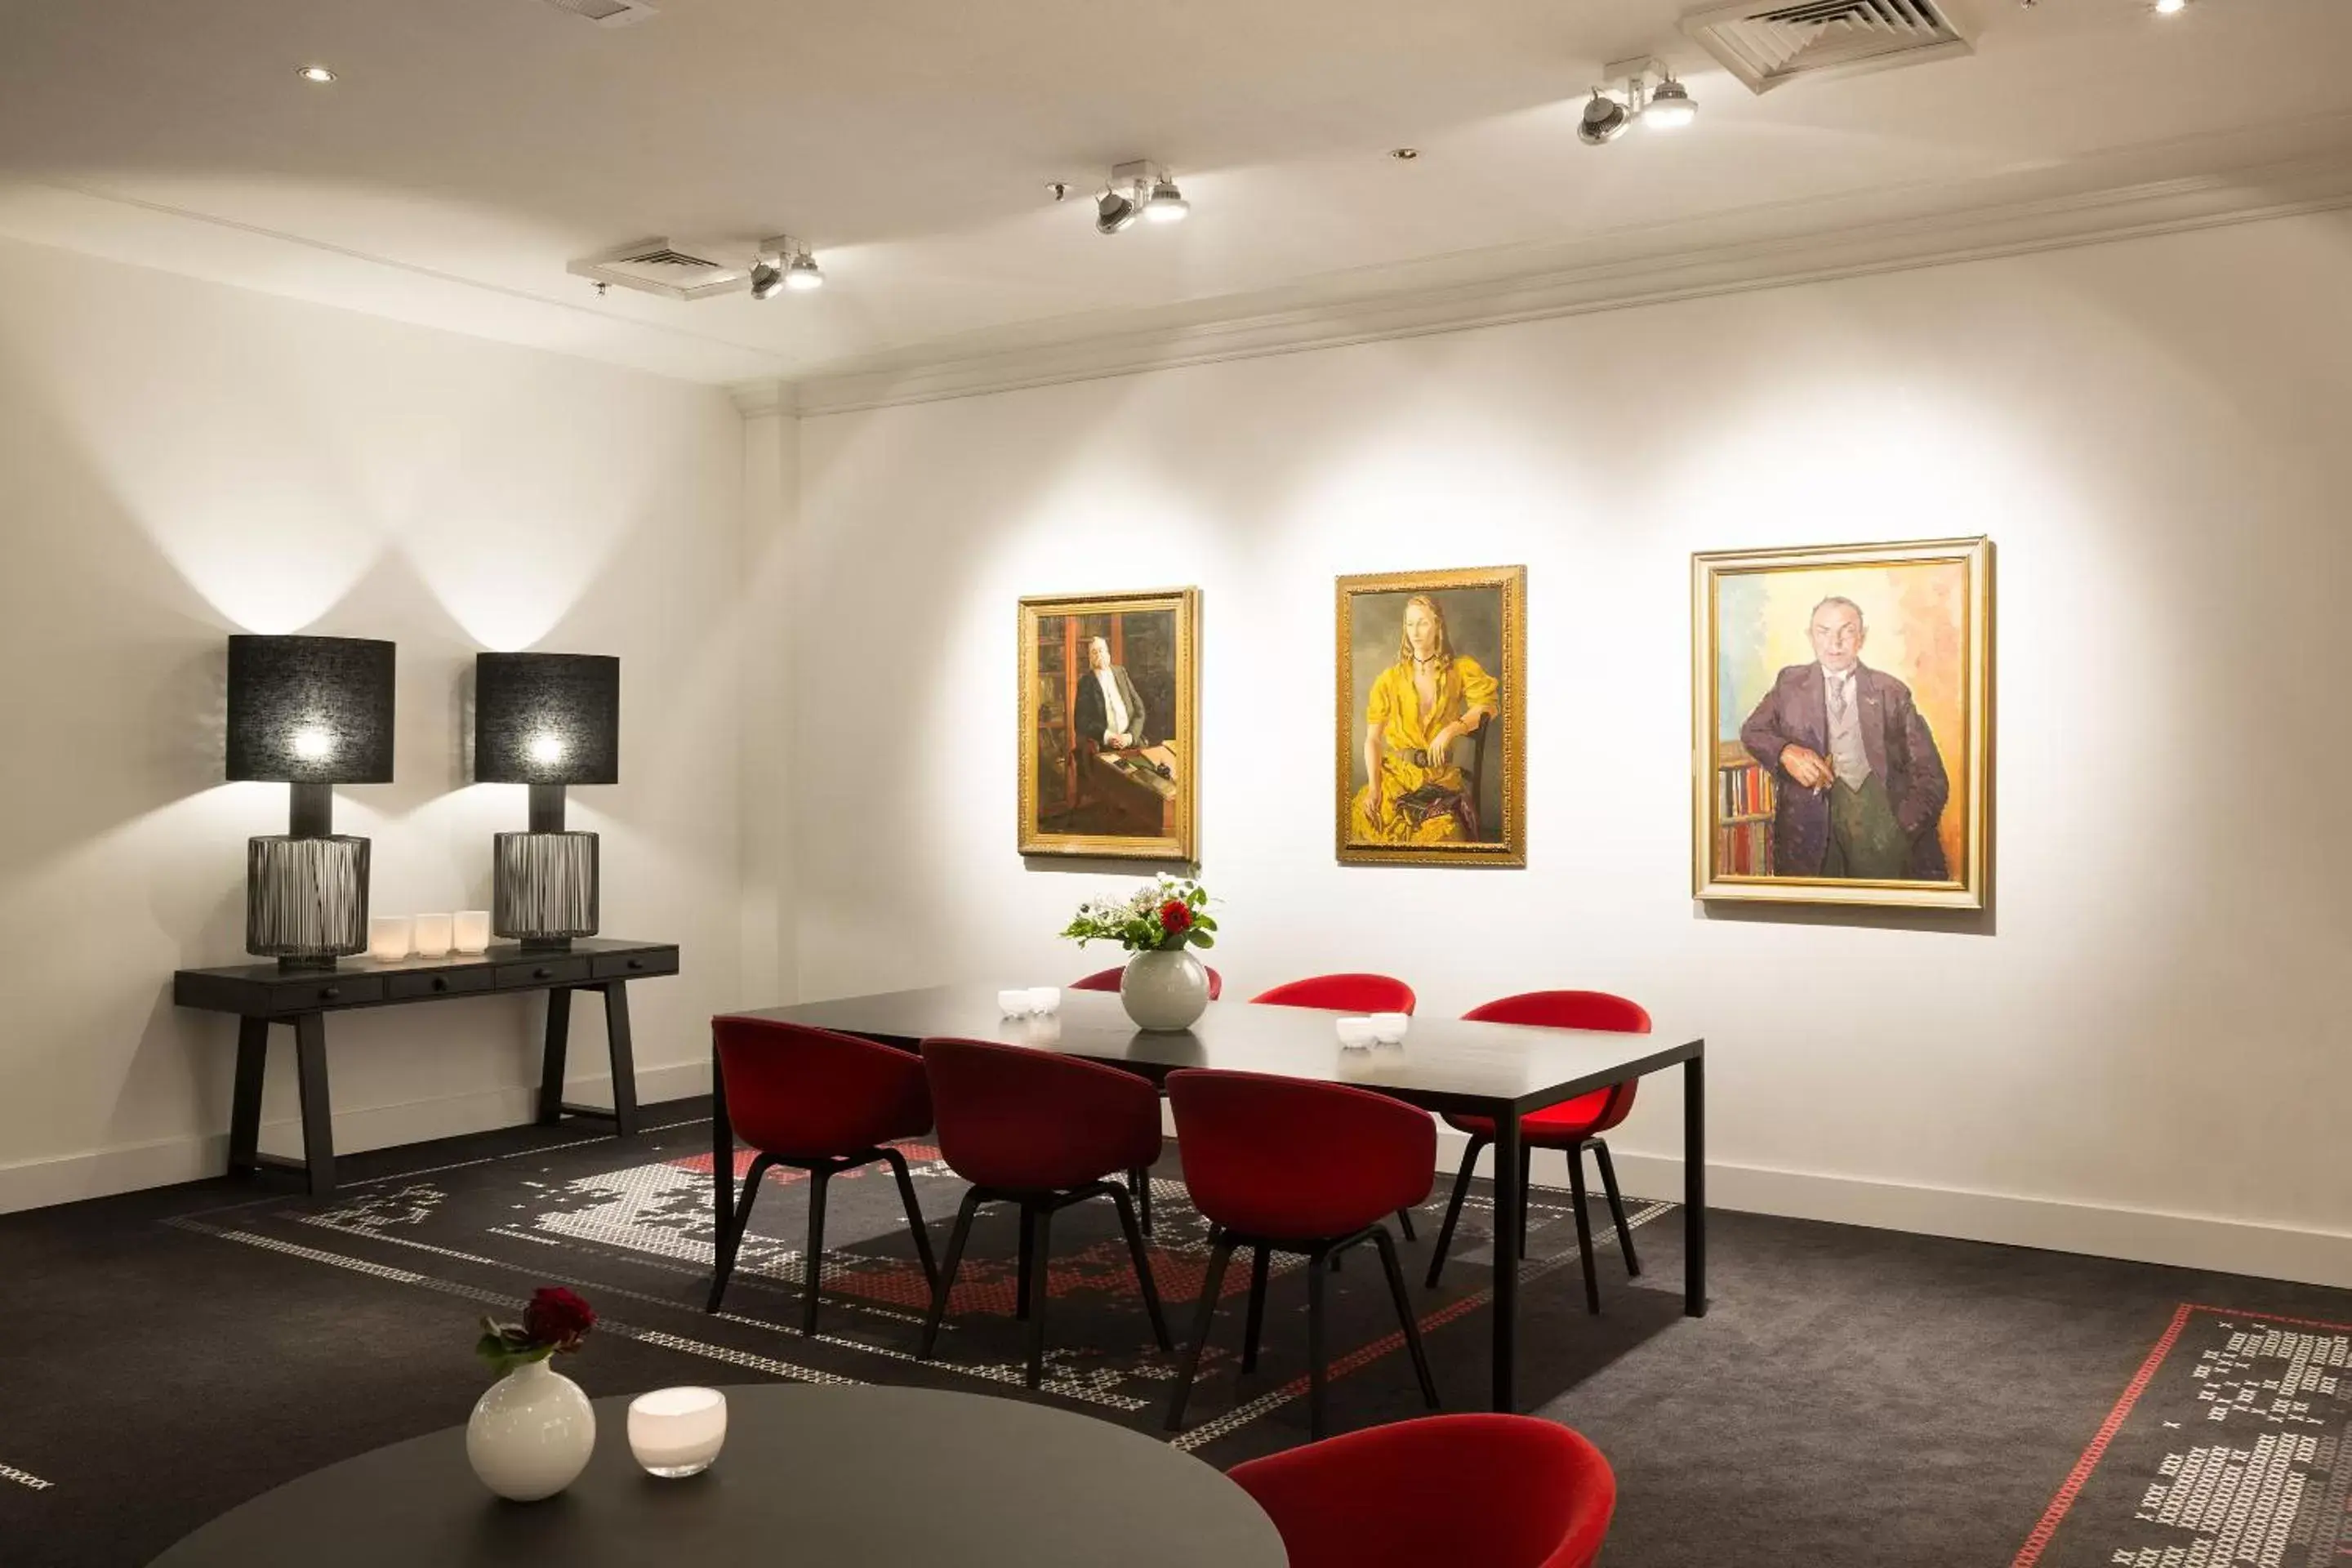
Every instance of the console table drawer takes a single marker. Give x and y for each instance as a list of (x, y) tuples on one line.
[(545, 971), (454, 982), (313, 995), (629, 965)]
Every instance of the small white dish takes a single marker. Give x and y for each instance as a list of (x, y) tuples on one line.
[(677, 1431), (1389, 1028), (1356, 1033), (1013, 1004), (1044, 1000)]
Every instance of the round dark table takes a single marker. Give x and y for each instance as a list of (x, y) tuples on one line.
[(834, 1476)]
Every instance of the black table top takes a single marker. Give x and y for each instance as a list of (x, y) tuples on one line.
[(847, 1478), (1444, 1063), (267, 972)]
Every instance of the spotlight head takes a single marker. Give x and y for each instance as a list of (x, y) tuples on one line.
[(1167, 203), (1114, 213), (1670, 108), (1606, 120), (767, 279), (803, 274)]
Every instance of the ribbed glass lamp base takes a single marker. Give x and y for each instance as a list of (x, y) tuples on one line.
[(543, 886), (305, 899)]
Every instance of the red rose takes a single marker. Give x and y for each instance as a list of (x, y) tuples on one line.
[(1175, 916), (557, 1317)]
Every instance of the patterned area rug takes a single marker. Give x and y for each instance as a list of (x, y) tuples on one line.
[(637, 1238), (2229, 1447)]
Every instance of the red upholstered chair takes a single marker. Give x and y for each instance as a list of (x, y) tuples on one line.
[(1572, 1126), (1347, 994), (1139, 1180), (1470, 1491), (1028, 1127), (1282, 1164), (820, 1102)]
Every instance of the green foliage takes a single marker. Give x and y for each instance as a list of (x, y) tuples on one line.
[(1158, 917)]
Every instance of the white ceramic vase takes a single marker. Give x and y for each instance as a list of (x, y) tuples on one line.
[(1166, 990), (532, 1433)]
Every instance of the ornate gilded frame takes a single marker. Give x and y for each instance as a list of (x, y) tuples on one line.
[(1967, 890), (1512, 852), (1180, 846)]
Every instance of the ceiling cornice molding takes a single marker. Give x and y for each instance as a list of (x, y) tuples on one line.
[(1663, 274), (765, 395)]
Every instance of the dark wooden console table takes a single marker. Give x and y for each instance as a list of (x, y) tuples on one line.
[(260, 994)]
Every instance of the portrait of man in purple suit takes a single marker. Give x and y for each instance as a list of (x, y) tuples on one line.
[(1860, 786)]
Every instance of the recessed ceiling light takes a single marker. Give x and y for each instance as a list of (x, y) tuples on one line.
[(2171, 7), (1404, 154), (318, 75)]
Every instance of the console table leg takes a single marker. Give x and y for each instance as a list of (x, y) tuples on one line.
[(317, 1121), (624, 1064), (551, 1068), (245, 1101)]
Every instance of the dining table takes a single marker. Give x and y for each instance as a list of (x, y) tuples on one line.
[(1501, 1072)]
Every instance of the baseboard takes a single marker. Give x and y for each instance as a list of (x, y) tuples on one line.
[(2140, 1235), (100, 1173)]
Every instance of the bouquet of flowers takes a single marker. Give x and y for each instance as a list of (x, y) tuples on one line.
[(556, 1321), (1158, 917)]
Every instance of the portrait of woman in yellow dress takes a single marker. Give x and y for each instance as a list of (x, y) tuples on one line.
[(1411, 733)]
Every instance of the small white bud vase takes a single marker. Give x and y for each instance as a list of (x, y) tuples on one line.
[(530, 1435), (1166, 990)]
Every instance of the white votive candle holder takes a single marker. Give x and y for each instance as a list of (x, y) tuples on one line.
[(677, 1431), (1013, 1004), (388, 937), (1044, 1000), (1389, 1028), (470, 931), (1356, 1033), (432, 939)]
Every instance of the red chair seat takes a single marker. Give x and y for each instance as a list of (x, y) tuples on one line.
[(807, 1093), (1472, 1491), (1342, 994), (1287, 1159), (1029, 1120), (1561, 1126)]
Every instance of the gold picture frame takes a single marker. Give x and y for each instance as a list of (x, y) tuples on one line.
[(1777, 815), (1467, 807), (1081, 793)]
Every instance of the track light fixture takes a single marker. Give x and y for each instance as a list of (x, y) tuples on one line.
[(784, 263), (1665, 106), (1138, 190)]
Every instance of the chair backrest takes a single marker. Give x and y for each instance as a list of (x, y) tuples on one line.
[(1107, 980), (1023, 1118), (1499, 1491), (1289, 1158), (1575, 1010), (1343, 994), (794, 1089)]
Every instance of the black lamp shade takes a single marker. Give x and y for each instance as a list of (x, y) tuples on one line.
[(547, 719), (309, 710)]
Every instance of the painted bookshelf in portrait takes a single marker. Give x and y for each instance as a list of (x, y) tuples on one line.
[(1743, 813)]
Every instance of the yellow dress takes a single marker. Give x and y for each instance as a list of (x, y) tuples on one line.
[(1466, 688)]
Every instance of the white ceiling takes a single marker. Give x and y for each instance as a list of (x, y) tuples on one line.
[(471, 148)]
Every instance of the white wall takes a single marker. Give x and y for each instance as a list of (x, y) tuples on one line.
[(179, 461), (2141, 1049)]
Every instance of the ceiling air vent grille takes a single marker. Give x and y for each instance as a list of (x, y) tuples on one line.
[(606, 13), (1765, 45), (675, 269)]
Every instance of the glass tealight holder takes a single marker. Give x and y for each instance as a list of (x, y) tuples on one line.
[(388, 937), (433, 936), (1013, 1004), (677, 1431), (1387, 1028), (1355, 1033), (1044, 1000), (470, 931)]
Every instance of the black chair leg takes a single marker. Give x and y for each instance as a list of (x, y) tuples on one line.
[(1583, 1231), (1527, 1188), (1616, 1205), (914, 1214), (1405, 1316), (1143, 1280), (1315, 1287), (1041, 1266), (1404, 1224), (946, 1286), (1028, 1256), (732, 1240), (813, 1261), (1138, 1182), (1454, 1208), (1221, 1252), (1256, 1311)]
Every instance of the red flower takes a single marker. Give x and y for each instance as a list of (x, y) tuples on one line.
[(557, 1317), (1175, 916)]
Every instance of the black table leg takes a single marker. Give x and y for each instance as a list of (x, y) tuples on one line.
[(318, 1119), (1695, 1187), (244, 1103), (624, 1063), (722, 1152), (550, 1066), (1510, 1200)]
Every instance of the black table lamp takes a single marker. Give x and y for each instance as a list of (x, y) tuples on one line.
[(312, 712), (546, 719)]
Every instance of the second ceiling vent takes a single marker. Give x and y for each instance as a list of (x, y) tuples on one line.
[(1765, 45)]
